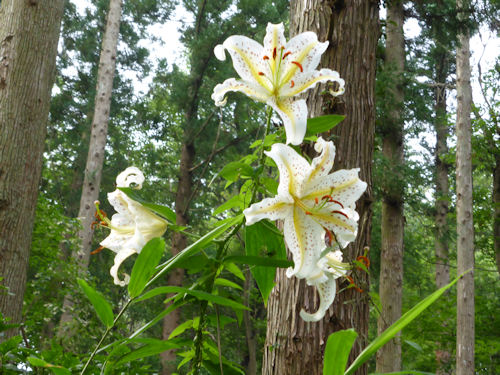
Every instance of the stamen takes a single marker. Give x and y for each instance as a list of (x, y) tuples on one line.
[(261, 73), (98, 250), (351, 281), (328, 197), (330, 237), (274, 53), (363, 259), (286, 54), (299, 65), (315, 199), (308, 213), (292, 83), (266, 57), (341, 213), (334, 201)]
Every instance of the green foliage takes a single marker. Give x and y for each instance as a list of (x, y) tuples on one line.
[(144, 266), (337, 350), (101, 306)]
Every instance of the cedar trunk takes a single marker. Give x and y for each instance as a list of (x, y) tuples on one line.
[(391, 258), (29, 33), (95, 158), (465, 228), (292, 345)]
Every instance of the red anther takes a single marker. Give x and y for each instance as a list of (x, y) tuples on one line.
[(308, 213), (261, 74), (334, 201), (340, 212), (363, 259), (274, 53), (326, 197), (98, 250), (286, 54), (282, 48), (92, 226), (298, 64), (316, 200), (266, 57), (292, 83), (330, 236), (351, 281)]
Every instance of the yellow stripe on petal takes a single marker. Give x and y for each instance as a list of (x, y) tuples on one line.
[(329, 218), (331, 190), (292, 68)]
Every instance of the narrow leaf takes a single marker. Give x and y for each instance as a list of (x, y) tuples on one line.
[(146, 351), (195, 293), (196, 246), (265, 243), (322, 124), (101, 306), (337, 351), (397, 326), (259, 261), (145, 266), (230, 284), (164, 211)]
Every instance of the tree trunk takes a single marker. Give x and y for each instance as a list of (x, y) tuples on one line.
[(441, 173), (179, 242), (465, 228), (29, 33), (95, 158), (391, 258), (292, 345)]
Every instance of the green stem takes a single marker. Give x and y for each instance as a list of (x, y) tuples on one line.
[(108, 329)]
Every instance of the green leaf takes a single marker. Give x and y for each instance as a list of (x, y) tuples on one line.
[(148, 350), (408, 372), (397, 326), (57, 370), (414, 345), (235, 201), (181, 328), (196, 246), (234, 269), (224, 282), (157, 318), (261, 241), (223, 301), (337, 351), (164, 211), (322, 124), (259, 261), (101, 306), (145, 266)]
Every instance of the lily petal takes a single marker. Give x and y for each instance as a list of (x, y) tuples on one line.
[(119, 258), (273, 41), (294, 116), (292, 167), (130, 176), (322, 164), (342, 222), (305, 240), (252, 90), (270, 208), (247, 59), (344, 186), (305, 55), (326, 291), (307, 80)]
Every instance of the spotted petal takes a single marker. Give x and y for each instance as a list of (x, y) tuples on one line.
[(326, 291), (344, 186), (305, 240), (292, 167), (250, 89), (294, 116), (247, 59), (270, 208), (273, 42), (307, 80), (322, 164)]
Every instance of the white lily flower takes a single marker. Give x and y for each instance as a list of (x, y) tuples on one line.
[(132, 226), (329, 269), (276, 72), (311, 202)]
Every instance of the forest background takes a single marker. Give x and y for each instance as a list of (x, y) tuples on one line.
[(161, 107)]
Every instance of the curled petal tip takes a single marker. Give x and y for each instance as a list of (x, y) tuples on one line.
[(219, 52), (130, 176), (317, 316)]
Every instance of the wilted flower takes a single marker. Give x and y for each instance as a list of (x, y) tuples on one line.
[(276, 72), (133, 225)]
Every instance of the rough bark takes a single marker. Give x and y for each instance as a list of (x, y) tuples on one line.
[(441, 173), (292, 345), (465, 228), (391, 258), (29, 33), (250, 333), (95, 158)]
